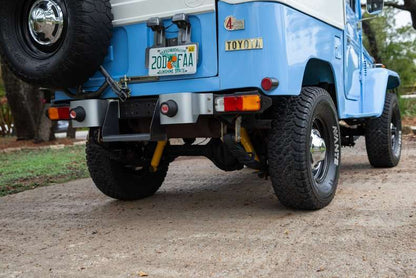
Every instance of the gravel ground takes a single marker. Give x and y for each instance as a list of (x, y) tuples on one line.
[(206, 223)]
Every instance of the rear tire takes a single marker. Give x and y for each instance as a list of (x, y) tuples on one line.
[(384, 135), (304, 177), (119, 179)]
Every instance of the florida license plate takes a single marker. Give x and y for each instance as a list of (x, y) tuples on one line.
[(174, 60)]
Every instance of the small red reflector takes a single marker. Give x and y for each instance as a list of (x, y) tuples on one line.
[(269, 83), (73, 114), (58, 113), (164, 109)]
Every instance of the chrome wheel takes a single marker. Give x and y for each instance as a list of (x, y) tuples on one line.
[(318, 154), (318, 149), (396, 135), (46, 22)]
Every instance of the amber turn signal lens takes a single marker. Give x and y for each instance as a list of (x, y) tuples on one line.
[(251, 103)]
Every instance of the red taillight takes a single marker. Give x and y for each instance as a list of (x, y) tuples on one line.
[(243, 103), (269, 83), (233, 104), (58, 113)]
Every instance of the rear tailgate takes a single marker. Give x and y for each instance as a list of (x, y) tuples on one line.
[(131, 37)]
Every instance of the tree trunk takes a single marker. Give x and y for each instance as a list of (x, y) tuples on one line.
[(71, 132), (372, 39), (28, 107), (44, 126)]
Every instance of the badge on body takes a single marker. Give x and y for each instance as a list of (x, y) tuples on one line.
[(244, 44), (232, 24)]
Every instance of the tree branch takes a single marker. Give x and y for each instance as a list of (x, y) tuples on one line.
[(395, 5)]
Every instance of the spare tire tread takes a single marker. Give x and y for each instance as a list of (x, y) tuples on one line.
[(80, 55)]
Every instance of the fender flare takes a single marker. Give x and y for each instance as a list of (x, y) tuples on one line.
[(378, 82)]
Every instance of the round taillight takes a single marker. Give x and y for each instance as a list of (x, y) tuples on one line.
[(169, 108), (78, 114)]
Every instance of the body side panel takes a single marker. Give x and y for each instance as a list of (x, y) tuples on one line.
[(291, 40)]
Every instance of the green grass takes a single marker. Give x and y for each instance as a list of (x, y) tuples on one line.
[(408, 107), (25, 170)]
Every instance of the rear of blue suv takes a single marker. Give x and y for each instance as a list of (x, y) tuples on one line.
[(275, 86)]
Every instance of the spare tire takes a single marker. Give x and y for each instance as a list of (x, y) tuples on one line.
[(55, 43)]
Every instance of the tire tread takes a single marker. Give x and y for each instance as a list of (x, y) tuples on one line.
[(109, 180), (378, 146), (287, 162)]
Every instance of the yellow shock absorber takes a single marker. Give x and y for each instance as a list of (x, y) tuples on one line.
[(157, 156), (246, 142)]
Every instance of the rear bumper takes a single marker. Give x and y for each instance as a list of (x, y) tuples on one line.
[(191, 107)]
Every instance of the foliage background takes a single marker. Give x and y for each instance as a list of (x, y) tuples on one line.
[(397, 47), (397, 50)]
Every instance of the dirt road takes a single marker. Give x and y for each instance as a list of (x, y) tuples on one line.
[(206, 223)]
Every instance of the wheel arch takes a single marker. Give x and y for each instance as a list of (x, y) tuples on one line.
[(320, 73), (393, 81)]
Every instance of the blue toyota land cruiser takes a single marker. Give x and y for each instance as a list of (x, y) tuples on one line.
[(277, 86)]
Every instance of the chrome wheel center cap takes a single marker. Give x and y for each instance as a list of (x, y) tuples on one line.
[(318, 150), (46, 22)]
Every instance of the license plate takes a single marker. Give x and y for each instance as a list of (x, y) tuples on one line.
[(174, 60)]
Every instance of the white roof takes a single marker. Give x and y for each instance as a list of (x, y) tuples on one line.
[(134, 11), (330, 11)]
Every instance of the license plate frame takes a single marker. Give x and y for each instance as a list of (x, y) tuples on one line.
[(173, 60)]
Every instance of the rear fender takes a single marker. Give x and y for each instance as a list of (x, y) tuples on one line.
[(378, 81)]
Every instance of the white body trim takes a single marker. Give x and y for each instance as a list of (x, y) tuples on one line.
[(135, 11), (329, 11)]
